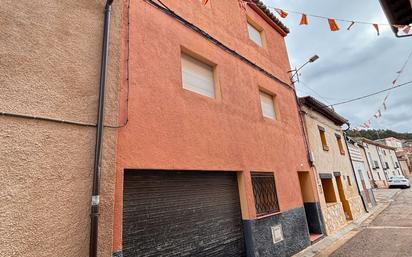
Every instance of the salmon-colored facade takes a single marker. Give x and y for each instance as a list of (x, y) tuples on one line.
[(171, 128)]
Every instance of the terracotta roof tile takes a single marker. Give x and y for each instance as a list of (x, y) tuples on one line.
[(266, 10)]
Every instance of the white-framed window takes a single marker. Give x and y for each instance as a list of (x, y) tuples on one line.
[(255, 34), (197, 76), (267, 103)]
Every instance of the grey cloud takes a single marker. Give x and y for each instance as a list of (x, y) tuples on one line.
[(352, 63)]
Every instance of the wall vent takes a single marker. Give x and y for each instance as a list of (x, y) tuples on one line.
[(277, 234)]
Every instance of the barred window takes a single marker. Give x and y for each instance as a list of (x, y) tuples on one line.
[(264, 191)]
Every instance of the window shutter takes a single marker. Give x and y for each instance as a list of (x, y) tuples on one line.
[(197, 76), (268, 105), (255, 34)]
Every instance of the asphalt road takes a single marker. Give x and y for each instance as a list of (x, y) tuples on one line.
[(389, 235)]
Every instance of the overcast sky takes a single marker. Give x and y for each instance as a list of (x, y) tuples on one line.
[(352, 63)]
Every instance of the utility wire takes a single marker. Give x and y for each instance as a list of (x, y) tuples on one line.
[(325, 17), (369, 95)]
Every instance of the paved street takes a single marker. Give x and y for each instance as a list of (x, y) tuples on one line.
[(389, 235)]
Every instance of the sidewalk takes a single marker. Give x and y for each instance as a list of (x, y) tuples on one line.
[(330, 243)]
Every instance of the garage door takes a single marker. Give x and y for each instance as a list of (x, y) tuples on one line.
[(172, 213)]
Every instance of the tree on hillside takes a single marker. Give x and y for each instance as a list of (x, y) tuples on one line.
[(374, 134)]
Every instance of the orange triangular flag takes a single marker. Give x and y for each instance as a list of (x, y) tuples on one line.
[(333, 25), (406, 29), (304, 20), (281, 12), (351, 24), (204, 2), (376, 26)]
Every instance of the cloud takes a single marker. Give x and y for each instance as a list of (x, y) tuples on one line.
[(352, 63)]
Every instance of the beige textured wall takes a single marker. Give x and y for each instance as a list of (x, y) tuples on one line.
[(334, 218), (49, 66), (329, 162), (405, 168), (332, 160)]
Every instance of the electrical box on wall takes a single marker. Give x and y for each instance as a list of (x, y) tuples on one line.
[(311, 158), (277, 234)]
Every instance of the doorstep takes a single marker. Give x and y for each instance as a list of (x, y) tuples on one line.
[(314, 238)]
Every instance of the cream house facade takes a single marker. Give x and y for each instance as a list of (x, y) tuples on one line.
[(338, 193), (383, 162)]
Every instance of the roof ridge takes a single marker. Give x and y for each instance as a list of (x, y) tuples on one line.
[(267, 11)]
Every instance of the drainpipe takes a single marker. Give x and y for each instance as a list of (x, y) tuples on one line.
[(353, 167), (94, 215)]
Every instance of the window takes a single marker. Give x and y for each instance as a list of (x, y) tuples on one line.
[(264, 191), (198, 76), (379, 176), (323, 138), (376, 165), (328, 190), (340, 144), (349, 182), (255, 34), (267, 103), (370, 159)]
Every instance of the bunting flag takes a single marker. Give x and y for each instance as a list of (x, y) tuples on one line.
[(378, 114), (384, 105), (304, 20), (376, 26), (281, 12), (204, 2), (333, 25), (350, 25)]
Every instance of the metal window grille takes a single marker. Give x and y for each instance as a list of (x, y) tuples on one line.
[(264, 191)]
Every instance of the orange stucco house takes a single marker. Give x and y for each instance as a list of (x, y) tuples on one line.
[(213, 160)]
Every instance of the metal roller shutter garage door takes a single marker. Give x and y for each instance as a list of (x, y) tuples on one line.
[(181, 213)]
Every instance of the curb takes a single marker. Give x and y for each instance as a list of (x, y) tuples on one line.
[(329, 244)]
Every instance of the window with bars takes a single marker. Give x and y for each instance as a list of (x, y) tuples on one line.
[(264, 191)]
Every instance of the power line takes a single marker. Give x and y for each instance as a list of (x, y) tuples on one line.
[(369, 95), (326, 17)]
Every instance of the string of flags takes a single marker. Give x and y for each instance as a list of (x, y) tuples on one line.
[(334, 26), (332, 22), (384, 106)]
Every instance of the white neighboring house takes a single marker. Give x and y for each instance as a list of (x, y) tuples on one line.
[(362, 172), (391, 141), (374, 159)]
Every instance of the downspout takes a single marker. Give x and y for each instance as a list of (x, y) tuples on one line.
[(303, 124), (353, 167), (94, 215)]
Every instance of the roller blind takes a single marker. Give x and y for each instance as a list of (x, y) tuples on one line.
[(268, 105), (197, 76), (254, 34)]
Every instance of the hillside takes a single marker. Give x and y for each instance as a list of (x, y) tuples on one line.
[(378, 134)]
